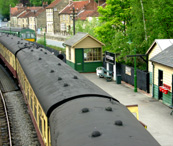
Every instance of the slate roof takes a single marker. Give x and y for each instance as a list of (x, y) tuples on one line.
[(77, 38), (165, 57), (162, 43)]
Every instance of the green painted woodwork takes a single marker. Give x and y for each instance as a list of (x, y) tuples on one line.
[(167, 98), (156, 91), (79, 65), (88, 67), (91, 66), (70, 64), (151, 77)]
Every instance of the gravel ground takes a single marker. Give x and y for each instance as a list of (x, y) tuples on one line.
[(23, 131)]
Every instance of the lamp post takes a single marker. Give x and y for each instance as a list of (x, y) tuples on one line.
[(45, 40), (74, 12), (135, 74)]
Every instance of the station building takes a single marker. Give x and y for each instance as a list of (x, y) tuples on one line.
[(160, 56), (84, 52)]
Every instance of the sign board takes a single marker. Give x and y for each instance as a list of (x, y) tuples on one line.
[(110, 57), (128, 70)]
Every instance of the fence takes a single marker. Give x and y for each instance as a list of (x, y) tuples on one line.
[(127, 75)]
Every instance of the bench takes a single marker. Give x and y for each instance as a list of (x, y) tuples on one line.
[(104, 74), (172, 109)]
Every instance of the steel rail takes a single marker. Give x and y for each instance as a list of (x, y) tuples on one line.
[(8, 123)]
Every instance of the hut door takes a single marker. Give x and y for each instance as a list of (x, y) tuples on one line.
[(160, 83), (79, 60)]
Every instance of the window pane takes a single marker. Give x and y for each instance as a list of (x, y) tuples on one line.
[(93, 54)]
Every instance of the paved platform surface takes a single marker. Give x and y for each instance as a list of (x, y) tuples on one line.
[(152, 112)]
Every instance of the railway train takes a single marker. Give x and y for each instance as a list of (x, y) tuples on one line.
[(65, 107), (24, 33)]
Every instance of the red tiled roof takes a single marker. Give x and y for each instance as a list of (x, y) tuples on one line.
[(17, 12), (32, 12), (53, 4), (36, 13), (23, 15), (91, 6), (34, 8), (77, 5), (87, 13), (13, 10)]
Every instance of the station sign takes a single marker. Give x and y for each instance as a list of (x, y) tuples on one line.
[(110, 57)]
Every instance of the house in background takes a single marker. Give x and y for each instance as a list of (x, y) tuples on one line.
[(23, 19), (158, 46), (37, 19), (84, 52), (15, 12), (52, 15), (66, 22)]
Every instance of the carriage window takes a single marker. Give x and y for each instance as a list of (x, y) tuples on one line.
[(93, 54), (35, 109), (32, 35), (40, 124), (23, 35), (28, 35), (31, 104), (28, 94), (44, 128), (40, 120)]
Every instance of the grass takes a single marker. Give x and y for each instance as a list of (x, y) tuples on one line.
[(41, 41)]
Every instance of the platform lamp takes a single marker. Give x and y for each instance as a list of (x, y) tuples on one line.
[(73, 15), (135, 74)]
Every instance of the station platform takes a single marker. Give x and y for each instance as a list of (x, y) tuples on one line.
[(152, 112)]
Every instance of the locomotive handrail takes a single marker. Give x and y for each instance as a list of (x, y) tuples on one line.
[(8, 123)]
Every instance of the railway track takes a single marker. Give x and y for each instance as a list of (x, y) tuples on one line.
[(5, 132), (21, 127)]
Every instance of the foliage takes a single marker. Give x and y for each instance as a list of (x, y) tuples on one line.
[(41, 41), (86, 26), (5, 7), (139, 21), (39, 2)]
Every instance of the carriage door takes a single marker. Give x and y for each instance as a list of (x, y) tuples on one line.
[(79, 65), (160, 83)]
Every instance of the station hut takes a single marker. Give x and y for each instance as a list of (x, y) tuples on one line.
[(84, 52), (161, 70)]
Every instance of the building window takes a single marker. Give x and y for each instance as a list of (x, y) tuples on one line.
[(69, 52), (93, 54), (63, 17), (63, 27)]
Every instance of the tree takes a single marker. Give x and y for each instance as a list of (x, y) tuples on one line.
[(5, 7), (115, 18), (87, 26), (140, 21)]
